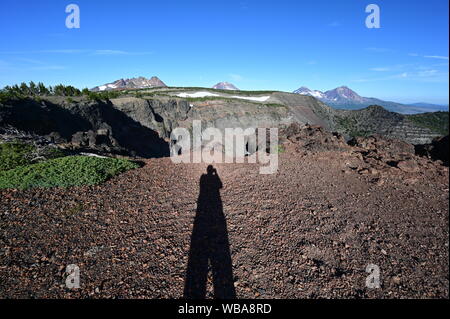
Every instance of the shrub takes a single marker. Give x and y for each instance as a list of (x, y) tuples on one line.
[(14, 154), (437, 122), (274, 105), (104, 95), (6, 96), (64, 172)]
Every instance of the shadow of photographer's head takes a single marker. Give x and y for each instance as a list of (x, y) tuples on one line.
[(211, 170)]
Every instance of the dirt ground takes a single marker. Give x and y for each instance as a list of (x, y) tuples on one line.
[(308, 231)]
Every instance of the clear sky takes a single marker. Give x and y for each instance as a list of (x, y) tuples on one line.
[(254, 44)]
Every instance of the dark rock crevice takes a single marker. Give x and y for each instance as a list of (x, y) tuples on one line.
[(438, 149)]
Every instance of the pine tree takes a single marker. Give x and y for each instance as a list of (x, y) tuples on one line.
[(24, 89), (33, 88), (42, 89)]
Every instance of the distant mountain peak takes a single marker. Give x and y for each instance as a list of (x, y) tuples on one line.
[(306, 91), (133, 83), (344, 93), (225, 86), (343, 97)]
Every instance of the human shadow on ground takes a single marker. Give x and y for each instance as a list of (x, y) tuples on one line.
[(209, 242)]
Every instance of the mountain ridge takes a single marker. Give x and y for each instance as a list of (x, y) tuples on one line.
[(345, 98), (133, 83)]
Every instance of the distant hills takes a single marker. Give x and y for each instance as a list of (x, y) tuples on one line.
[(345, 98), (225, 86), (134, 83), (340, 98), (429, 105)]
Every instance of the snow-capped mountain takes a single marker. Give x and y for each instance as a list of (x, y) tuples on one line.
[(343, 94), (305, 91), (225, 86), (345, 98), (338, 95), (134, 83)]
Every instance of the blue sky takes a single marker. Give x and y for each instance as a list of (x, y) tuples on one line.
[(278, 45)]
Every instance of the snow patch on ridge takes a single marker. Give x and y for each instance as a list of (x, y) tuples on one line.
[(205, 94), (197, 94), (316, 94)]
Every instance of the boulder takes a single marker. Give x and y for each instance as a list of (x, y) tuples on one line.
[(314, 138), (409, 166), (382, 144)]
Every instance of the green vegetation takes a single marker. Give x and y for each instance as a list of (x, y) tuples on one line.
[(37, 91), (274, 105), (104, 95), (19, 167), (14, 154), (281, 149), (437, 121), (64, 172), (33, 89), (346, 123), (148, 95), (350, 127)]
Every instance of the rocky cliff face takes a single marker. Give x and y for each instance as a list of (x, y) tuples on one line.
[(142, 126), (164, 114), (98, 126), (158, 115)]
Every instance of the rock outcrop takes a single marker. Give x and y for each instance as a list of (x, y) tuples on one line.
[(134, 83), (313, 138), (438, 149), (374, 155), (96, 125)]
